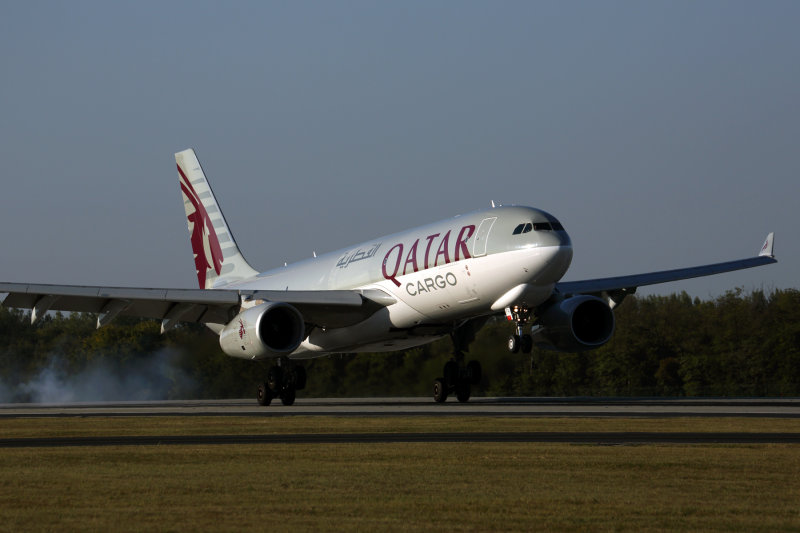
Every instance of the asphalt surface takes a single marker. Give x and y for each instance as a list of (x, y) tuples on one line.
[(597, 438), (383, 407)]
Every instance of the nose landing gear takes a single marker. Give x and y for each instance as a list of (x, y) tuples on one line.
[(519, 341)]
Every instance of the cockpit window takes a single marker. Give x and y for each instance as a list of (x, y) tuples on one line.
[(537, 226), (555, 224)]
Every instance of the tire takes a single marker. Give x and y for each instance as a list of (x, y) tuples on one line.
[(288, 396), (463, 391), (450, 374), (474, 372), (439, 391), (300, 377), (513, 343), (275, 380), (263, 395), (526, 344)]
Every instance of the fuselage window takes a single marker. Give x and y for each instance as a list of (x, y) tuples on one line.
[(518, 229)]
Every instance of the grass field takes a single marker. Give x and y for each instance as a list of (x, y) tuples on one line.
[(406, 486)]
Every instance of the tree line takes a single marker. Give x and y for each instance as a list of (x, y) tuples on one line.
[(737, 344)]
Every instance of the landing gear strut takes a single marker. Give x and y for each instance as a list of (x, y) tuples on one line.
[(458, 377), (282, 382), (519, 341)]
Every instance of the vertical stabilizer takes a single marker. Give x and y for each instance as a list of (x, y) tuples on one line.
[(217, 258)]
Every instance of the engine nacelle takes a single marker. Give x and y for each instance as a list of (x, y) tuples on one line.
[(575, 324), (271, 329)]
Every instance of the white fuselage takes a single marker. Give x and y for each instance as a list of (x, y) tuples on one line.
[(440, 275)]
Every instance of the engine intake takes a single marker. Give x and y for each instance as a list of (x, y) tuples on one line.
[(575, 324), (271, 329)]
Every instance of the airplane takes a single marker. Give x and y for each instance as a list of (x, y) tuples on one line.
[(390, 293)]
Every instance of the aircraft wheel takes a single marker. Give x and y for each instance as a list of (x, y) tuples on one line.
[(463, 391), (450, 373), (300, 377), (288, 396), (275, 379), (474, 372), (439, 390), (263, 394), (513, 343), (526, 344)]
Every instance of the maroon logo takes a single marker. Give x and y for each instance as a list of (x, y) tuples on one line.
[(241, 329), (433, 254), (205, 244)]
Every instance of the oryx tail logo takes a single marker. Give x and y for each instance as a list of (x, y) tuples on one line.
[(205, 245)]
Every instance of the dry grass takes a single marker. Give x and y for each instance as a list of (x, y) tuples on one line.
[(410, 486)]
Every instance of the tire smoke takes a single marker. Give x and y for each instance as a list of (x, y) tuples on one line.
[(156, 376)]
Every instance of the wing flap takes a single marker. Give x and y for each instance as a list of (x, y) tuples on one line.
[(328, 309), (208, 305)]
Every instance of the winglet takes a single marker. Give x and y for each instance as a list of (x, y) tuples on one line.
[(768, 246)]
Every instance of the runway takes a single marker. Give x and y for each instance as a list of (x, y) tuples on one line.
[(385, 407), (417, 407), (596, 438)]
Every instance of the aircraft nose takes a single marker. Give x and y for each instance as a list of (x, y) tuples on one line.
[(560, 256), (553, 238)]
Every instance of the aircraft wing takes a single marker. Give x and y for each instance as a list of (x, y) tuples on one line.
[(319, 308), (330, 309), (622, 285)]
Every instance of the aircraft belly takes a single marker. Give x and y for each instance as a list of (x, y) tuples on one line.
[(436, 296), (383, 328)]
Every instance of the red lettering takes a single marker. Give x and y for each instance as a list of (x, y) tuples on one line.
[(428, 248), (412, 257), (393, 276), (461, 242), (443, 249)]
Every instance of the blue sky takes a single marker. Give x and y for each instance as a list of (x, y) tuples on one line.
[(662, 134)]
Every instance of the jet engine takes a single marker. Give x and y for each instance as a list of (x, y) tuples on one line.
[(271, 329), (574, 325)]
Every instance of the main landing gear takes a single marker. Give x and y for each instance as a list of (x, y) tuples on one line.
[(458, 377), (519, 342), (281, 383)]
